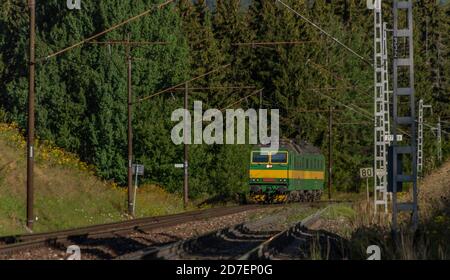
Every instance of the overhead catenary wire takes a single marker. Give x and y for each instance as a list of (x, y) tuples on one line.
[(236, 102), (247, 96), (325, 32), (315, 111), (322, 69), (363, 113), (131, 43), (244, 43), (215, 88), (353, 123), (351, 106), (183, 83), (329, 88), (316, 65), (271, 43), (105, 31)]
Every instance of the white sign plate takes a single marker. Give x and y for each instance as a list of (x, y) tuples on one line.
[(390, 138), (366, 172)]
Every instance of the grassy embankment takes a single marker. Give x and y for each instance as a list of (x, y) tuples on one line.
[(67, 193), (431, 241)]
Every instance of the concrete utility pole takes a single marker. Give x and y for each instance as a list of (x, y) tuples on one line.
[(30, 134)]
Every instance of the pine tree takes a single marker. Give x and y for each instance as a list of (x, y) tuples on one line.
[(81, 95)]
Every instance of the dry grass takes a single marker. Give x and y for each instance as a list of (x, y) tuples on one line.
[(431, 239), (67, 194)]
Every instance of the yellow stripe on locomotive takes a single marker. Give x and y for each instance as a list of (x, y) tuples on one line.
[(293, 173)]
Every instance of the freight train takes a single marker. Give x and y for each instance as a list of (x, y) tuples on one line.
[(293, 173)]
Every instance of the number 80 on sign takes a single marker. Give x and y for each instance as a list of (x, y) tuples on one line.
[(366, 172)]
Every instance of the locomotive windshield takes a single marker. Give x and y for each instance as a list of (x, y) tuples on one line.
[(257, 157), (279, 158)]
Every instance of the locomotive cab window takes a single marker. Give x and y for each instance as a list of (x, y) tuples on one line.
[(280, 157), (257, 157)]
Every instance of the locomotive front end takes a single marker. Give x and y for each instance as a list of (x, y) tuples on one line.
[(269, 178)]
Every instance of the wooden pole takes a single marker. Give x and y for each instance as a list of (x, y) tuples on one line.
[(186, 150), (130, 135), (330, 151), (31, 120)]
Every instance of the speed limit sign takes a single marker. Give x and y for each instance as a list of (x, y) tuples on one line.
[(366, 172)]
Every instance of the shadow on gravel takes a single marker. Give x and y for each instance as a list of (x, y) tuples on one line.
[(304, 244), (108, 248), (224, 244), (320, 245)]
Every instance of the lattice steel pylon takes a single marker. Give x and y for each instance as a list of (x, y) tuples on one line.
[(420, 136), (381, 108), (404, 113), (420, 139), (387, 91)]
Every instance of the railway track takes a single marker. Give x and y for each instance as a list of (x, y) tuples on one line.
[(240, 242), (301, 241), (16, 243)]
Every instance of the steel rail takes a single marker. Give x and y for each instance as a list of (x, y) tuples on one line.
[(171, 250), (20, 242), (264, 247)]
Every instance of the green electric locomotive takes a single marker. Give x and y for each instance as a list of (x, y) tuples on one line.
[(293, 173)]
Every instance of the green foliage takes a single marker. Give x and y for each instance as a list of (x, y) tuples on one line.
[(81, 95)]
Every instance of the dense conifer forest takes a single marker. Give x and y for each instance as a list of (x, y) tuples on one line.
[(82, 95)]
